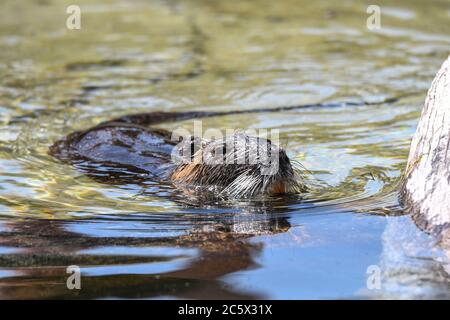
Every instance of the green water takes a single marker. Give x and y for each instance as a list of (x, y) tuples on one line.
[(134, 241)]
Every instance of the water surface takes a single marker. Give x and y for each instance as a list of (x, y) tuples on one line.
[(139, 241)]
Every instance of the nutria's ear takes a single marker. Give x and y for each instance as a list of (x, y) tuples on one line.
[(186, 148), (426, 190)]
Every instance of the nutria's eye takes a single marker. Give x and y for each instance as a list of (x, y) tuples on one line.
[(192, 148)]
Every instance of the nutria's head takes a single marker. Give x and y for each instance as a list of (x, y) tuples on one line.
[(237, 166)]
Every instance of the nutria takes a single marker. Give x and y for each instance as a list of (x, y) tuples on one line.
[(127, 150), (237, 166)]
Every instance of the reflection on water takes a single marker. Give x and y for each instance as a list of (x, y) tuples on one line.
[(142, 240), (119, 261)]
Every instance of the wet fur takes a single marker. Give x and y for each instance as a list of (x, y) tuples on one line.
[(126, 150)]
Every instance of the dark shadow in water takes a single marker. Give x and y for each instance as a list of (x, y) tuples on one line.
[(39, 251)]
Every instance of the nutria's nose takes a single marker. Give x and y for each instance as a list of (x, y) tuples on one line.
[(278, 188)]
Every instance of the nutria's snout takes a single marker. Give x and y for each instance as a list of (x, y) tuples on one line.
[(237, 166)]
